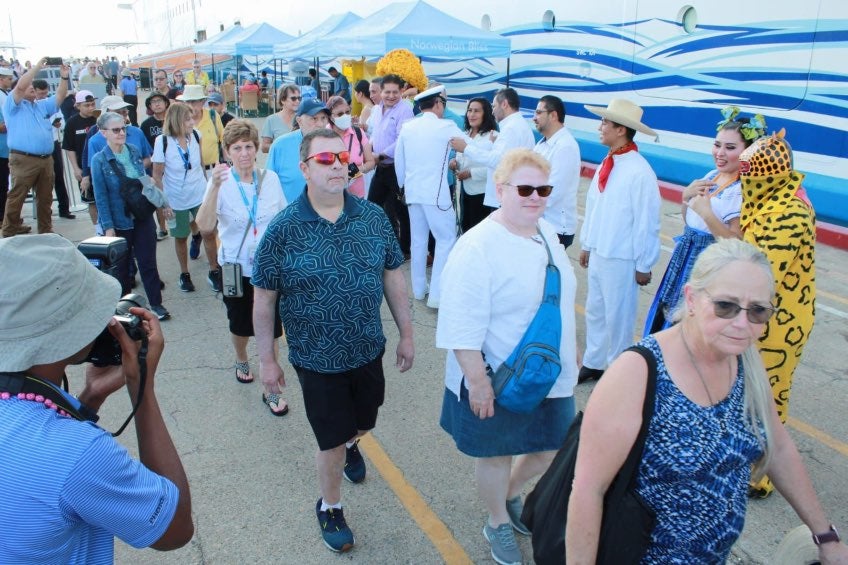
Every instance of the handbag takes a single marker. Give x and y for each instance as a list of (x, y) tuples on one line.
[(526, 377), (231, 272), (627, 521), (132, 193)]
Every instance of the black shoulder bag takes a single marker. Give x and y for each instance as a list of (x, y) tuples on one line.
[(627, 521), (135, 203)]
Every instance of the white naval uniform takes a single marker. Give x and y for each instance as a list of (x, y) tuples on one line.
[(514, 132), (563, 153), (421, 165), (621, 231)]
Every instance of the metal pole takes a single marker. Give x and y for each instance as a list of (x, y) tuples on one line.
[(507, 72)]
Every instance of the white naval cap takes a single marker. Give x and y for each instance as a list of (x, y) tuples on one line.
[(430, 93)]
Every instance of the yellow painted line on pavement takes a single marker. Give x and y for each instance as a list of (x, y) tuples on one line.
[(439, 534), (818, 435)]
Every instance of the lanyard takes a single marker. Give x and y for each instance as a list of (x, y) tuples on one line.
[(251, 210), (186, 156)]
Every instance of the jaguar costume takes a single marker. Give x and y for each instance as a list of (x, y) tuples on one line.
[(781, 222)]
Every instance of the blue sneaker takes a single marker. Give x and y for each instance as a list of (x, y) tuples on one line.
[(337, 536), (354, 469), (194, 247)]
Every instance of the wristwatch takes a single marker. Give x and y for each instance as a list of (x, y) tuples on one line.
[(829, 536)]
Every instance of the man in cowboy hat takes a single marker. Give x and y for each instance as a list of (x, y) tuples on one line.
[(76, 488), (620, 237), (211, 129)]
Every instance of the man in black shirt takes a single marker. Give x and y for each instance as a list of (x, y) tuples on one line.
[(76, 130), (157, 104)]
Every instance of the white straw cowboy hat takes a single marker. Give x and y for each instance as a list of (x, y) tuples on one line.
[(54, 302), (623, 112), (797, 548), (192, 92)]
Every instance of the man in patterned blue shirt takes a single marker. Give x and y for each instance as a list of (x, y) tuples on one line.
[(330, 258)]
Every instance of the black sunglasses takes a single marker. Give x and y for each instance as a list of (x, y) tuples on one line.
[(525, 190), (727, 310)]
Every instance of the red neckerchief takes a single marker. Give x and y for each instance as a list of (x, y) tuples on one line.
[(607, 163)]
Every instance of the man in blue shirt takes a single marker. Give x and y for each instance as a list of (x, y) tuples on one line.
[(341, 86), (78, 487), (283, 156), (30, 141), (330, 258), (129, 90)]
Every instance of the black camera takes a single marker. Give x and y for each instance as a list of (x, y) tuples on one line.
[(352, 170), (106, 349)]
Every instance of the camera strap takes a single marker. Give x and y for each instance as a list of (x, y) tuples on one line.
[(16, 383), (142, 381), (250, 218)]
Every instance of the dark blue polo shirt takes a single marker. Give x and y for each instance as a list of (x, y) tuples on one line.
[(330, 280)]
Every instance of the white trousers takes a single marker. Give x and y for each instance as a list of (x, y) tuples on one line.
[(611, 303), (423, 219)]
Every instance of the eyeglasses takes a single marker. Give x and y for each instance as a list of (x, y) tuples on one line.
[(525, 190), (329, 158), (295, 98), (727, 310), (540, 112), (116, 131)]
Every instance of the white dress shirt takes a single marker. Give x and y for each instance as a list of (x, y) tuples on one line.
[(514, 132), (421, 159), (476, 183), (562, 152), (623, 221)]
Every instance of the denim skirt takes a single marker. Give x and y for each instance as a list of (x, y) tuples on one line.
[(506, 433)]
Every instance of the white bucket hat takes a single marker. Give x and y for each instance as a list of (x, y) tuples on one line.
[(54, 302), (623, 112), (192, 92)]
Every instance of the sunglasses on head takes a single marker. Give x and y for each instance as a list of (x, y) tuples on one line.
[(727, 310), (525, 190), (328, 157)]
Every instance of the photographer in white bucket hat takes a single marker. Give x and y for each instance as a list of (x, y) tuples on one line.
[(75, 487)]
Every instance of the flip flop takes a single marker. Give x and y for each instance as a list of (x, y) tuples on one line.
[(273, 400), (243, 368)]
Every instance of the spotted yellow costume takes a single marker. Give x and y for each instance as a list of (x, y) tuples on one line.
[(782, 225)]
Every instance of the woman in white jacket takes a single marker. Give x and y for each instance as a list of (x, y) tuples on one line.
[(481, 126)]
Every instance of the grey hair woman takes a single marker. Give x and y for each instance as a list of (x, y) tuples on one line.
[(714, 421)]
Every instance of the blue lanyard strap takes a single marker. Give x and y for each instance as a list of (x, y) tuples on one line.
[(251, 210), (186, 155)]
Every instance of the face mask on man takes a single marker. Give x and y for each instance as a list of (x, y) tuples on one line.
[(343, 121)]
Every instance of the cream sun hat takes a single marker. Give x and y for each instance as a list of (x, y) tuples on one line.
[(623, 112)]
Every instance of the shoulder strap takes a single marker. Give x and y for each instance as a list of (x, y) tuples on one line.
[(630, 469), (116, 168), (358, 138), (196, 136), (164, 143)]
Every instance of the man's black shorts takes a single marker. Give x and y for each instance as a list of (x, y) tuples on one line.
[(340, 405)]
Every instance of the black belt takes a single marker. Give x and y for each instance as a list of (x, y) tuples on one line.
[(385, 165), (30, 154)]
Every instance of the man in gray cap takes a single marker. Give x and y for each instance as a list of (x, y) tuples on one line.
[(284, 154), (84, 488)]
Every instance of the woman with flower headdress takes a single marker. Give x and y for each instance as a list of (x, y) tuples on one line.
[(711, 209), (778, 218)]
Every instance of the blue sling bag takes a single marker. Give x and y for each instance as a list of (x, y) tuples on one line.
[(528, 374)]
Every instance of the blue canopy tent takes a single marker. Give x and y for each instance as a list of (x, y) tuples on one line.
[(416, 26), (258, 39), (209, 46), (306, 46)]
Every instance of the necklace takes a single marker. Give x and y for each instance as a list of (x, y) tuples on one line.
[(695, 365), (721, 187)]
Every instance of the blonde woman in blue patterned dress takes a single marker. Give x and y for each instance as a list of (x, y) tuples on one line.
[(714, 417)]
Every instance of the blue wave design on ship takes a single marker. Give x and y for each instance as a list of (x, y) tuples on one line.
[(682, 80)]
